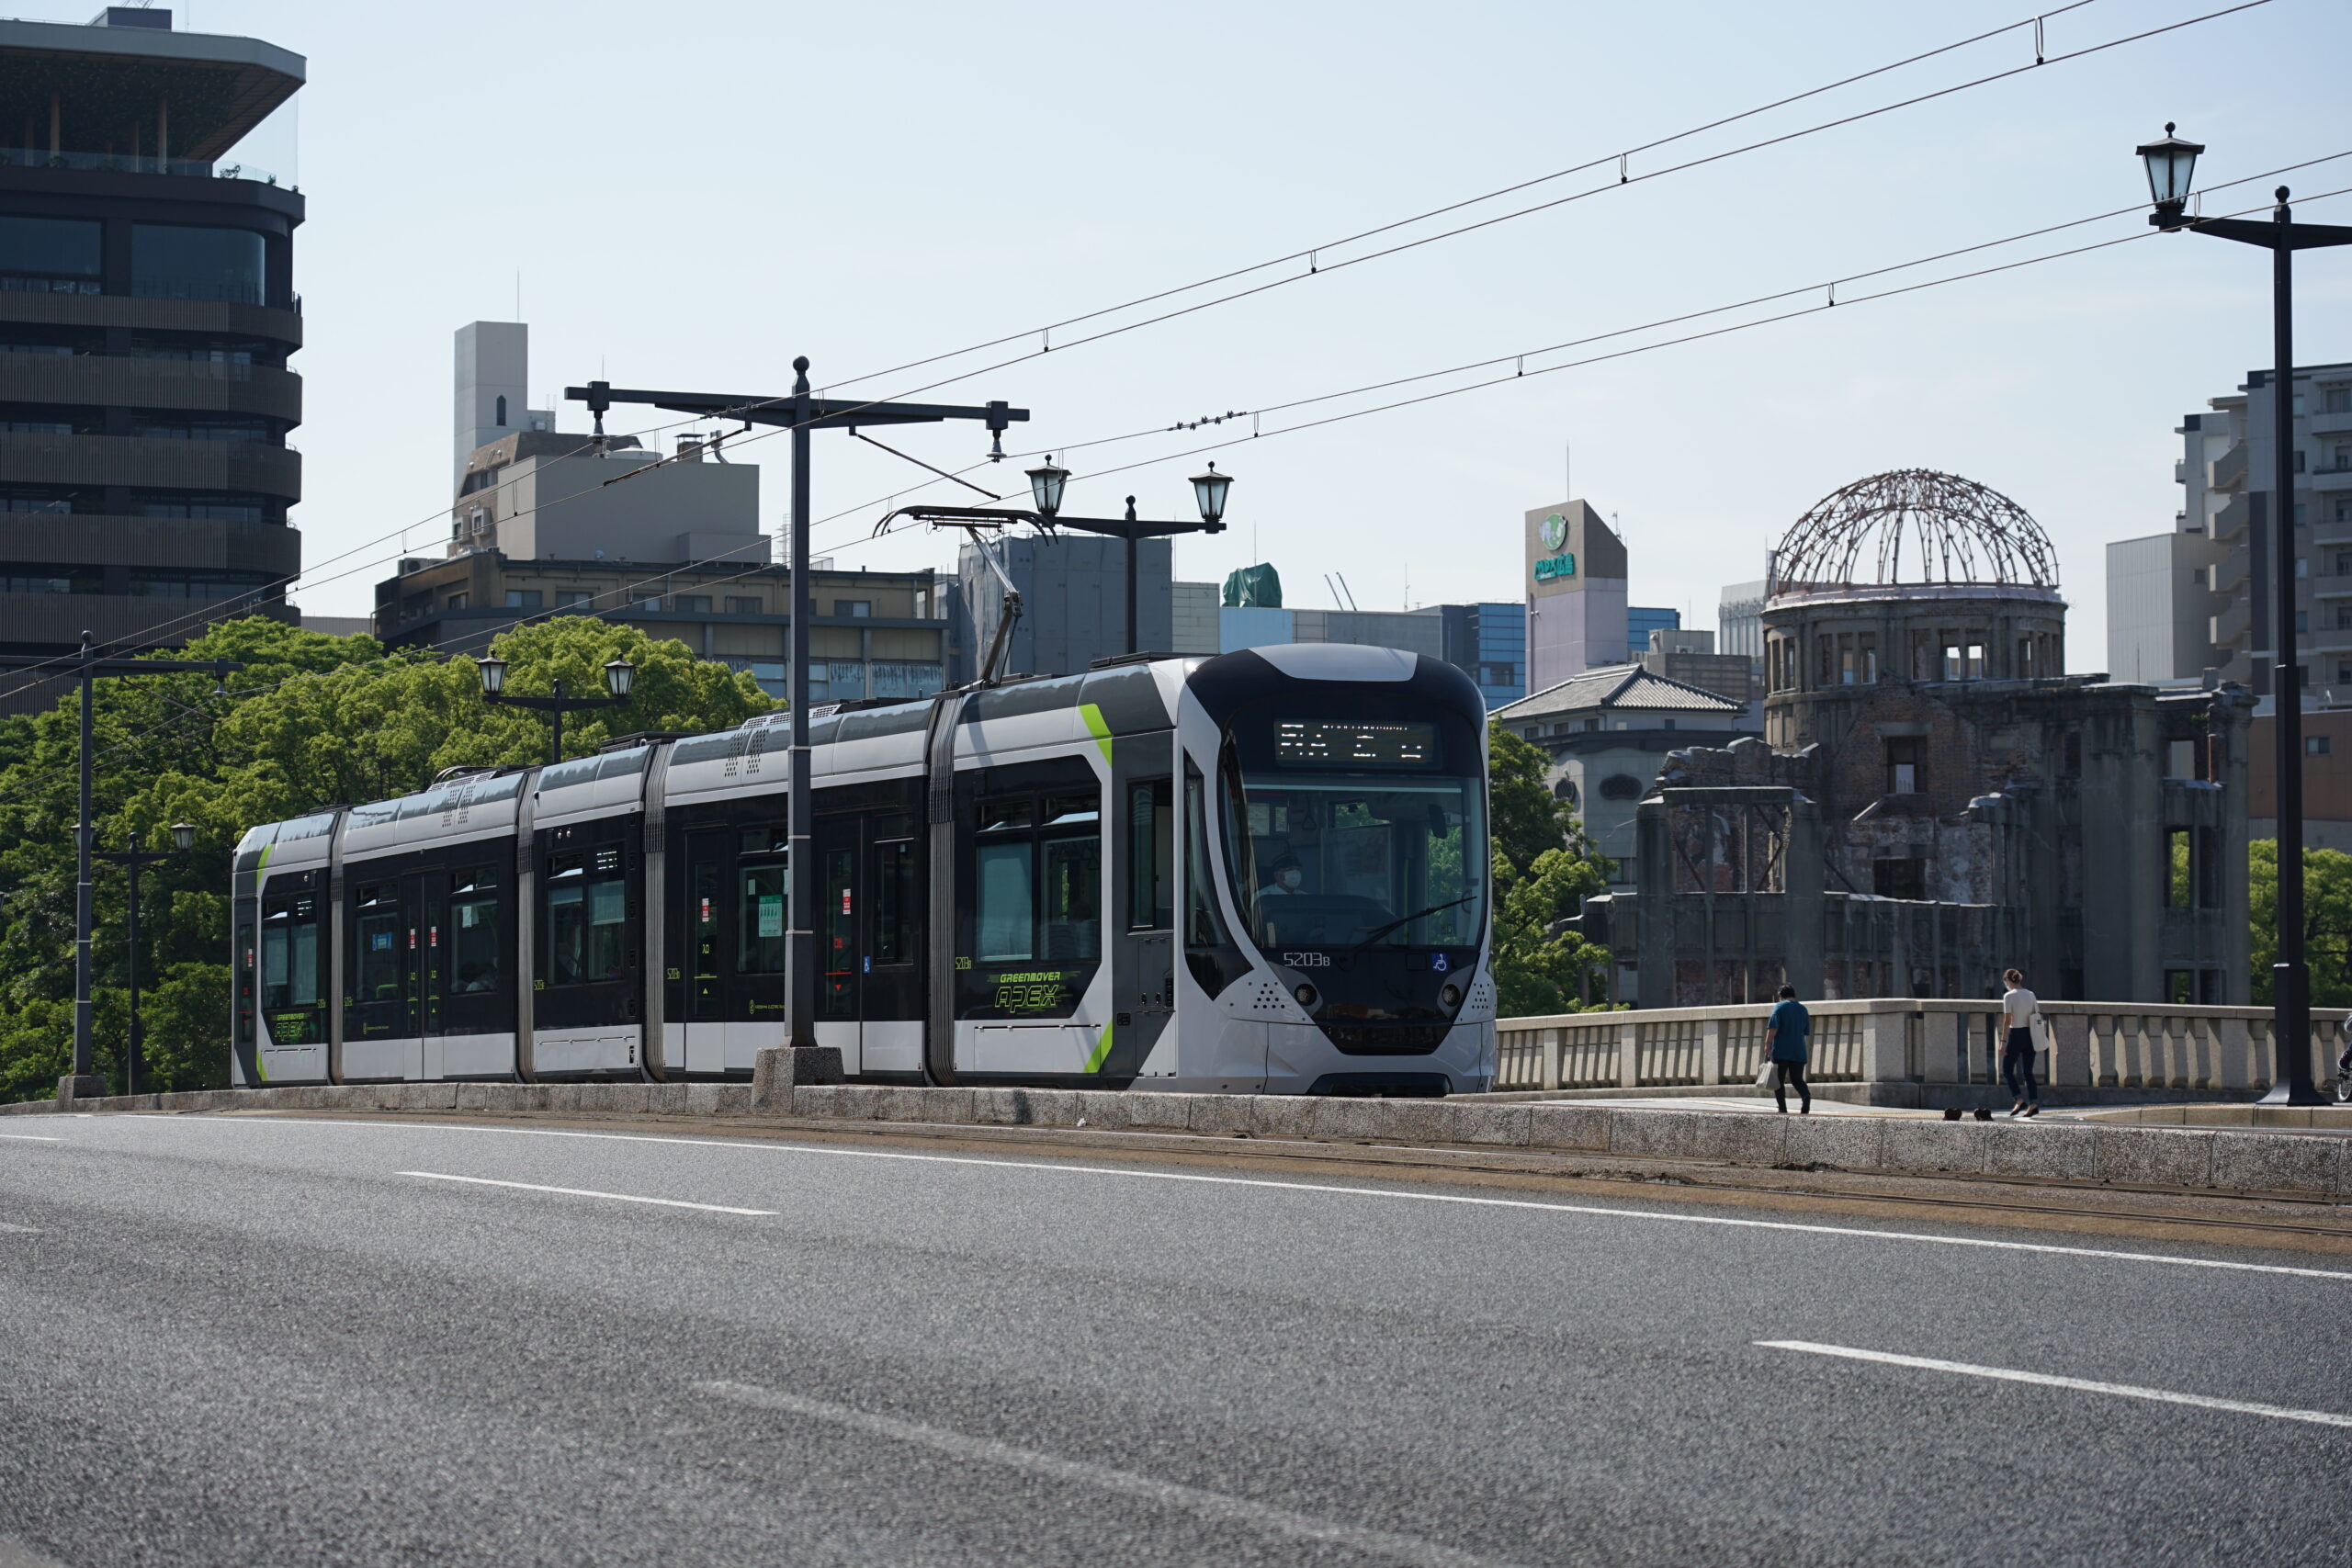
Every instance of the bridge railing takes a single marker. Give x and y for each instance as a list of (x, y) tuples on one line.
[(1906, 1040)]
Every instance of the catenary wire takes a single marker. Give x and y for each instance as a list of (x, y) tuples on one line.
[(1603, 161)]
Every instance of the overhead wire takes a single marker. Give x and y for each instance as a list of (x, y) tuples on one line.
[(1311, 252)]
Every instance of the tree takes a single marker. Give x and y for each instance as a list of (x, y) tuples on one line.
[(312, 720), (2327, 921), (1545, 868)]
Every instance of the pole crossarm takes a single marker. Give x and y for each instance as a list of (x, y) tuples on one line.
[(553, 704), (799, 411), (1115, 527), (2251, 232)]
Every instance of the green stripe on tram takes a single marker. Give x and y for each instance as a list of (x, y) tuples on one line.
[(1102, 1052), (1093, 714)]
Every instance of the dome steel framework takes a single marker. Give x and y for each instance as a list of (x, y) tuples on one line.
[(1915, 525)]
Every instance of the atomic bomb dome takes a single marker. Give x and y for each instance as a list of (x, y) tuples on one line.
[(1913, 576), (1914, 527)]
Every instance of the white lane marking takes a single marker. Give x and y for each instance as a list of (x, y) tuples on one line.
[(777, 1146), (1102, 1477), (586, 1192), (28, 1138), (7, 1229), (2050, 1379)]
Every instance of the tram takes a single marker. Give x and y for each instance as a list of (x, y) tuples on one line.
[(1266, 870)]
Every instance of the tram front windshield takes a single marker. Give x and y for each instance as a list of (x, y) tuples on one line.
[(1358, 836)]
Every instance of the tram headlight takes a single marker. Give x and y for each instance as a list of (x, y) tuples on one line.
[(1306, 995), (1451, 995)]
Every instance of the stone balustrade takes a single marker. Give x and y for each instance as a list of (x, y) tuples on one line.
[(1895, 1040)]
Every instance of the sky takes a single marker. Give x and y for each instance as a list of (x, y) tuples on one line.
[(689, 197)]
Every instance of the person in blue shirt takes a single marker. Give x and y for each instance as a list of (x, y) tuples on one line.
[(1784, 1042)]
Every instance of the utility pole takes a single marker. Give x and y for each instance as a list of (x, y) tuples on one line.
[(85, 667), (800, 412)]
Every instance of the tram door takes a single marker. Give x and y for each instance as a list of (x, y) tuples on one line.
[(393, 1029), (869, 993)]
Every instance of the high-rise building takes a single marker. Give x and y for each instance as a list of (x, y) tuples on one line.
[(1575, 595), (147, 314), (2202, 596)]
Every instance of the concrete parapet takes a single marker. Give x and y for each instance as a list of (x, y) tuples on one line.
[(849, 1101), (1843, 1143), (2256, 1162), (1567, 1126), (1507, 1124), (2154, 1157), (1103, 1110), (1932, 1145), (1281, 1115), (2055, 1150), (1147, 1108), (1217, 1115), (1659, 1134)]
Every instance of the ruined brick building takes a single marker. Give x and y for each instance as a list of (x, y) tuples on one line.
[(1933, 799)]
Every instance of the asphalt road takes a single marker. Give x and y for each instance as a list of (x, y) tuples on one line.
[(257, 1341)]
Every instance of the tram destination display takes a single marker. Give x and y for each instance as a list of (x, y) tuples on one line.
[(1313, 743)]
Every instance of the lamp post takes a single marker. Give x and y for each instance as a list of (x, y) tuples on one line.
[(2170, 162), (621, 676), (1045, 484), (131, 858)]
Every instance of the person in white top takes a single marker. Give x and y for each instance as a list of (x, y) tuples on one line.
[(2018, 1010)]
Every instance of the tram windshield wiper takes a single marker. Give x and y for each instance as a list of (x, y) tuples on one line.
[(1408, 920)]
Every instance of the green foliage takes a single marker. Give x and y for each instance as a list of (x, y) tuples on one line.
[(312, 720), (1545, 869), (2327, 921)]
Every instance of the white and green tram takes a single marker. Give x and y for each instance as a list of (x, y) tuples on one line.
[(1265, 870)]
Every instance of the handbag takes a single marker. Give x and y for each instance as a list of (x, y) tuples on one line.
[(1764, 1074)]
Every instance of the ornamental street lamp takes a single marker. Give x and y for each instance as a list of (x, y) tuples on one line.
[(2170, 162), (1045, 485), (1208, 491), (620, 678), (183, 840)]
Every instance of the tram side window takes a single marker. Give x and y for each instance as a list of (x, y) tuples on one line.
[(762, 893), (476, 951), (1204, 925), (1039, 866), (896, 917), (587, 916), (290, 954), (1071, 847), (1152, 856), (379, 922)]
